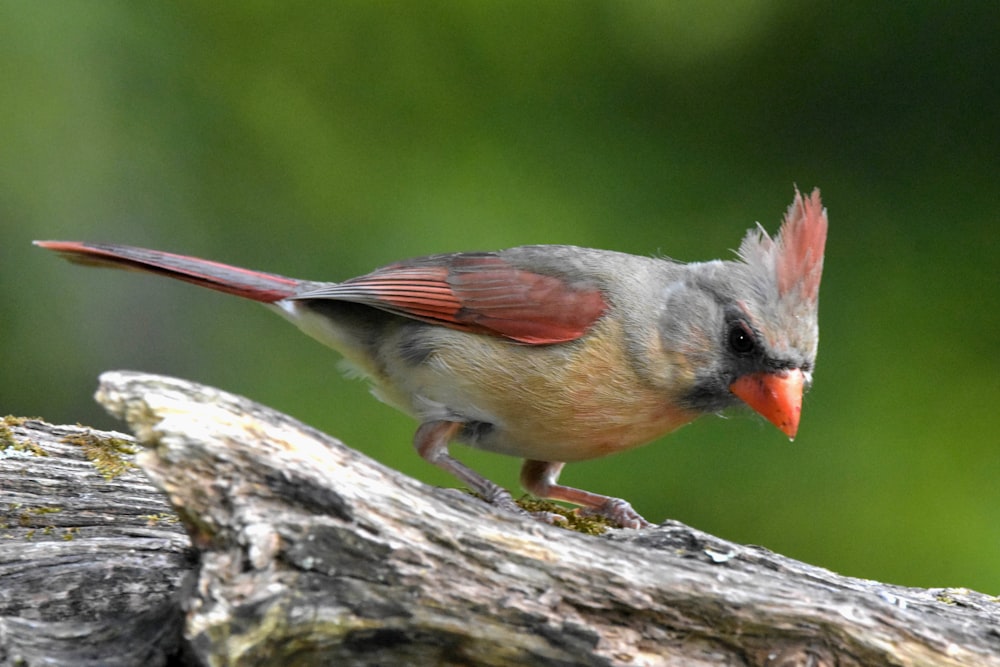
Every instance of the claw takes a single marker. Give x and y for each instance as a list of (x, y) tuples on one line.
[(619, 512)]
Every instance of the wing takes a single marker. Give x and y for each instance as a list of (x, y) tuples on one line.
[(476, 292)]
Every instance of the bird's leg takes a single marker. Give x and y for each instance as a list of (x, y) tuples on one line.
[(539, 478), (431, 441)]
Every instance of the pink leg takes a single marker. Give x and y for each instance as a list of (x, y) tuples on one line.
[(431, 441), (539, 478)]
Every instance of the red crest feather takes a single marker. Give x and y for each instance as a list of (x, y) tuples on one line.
[(800, 243)]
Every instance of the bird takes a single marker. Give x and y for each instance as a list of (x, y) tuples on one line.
[(554, 353)]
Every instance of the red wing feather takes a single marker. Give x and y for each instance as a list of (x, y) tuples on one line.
[(479, 293)]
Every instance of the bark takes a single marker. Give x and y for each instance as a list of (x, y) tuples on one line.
[(260, 541)]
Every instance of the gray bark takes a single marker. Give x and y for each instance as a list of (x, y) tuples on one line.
[(244, 537)]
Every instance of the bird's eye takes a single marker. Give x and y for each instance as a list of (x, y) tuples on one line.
[(741, 339)]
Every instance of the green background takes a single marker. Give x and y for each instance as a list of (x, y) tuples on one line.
[(322, 140)]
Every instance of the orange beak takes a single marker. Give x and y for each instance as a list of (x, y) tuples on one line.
[(776, 396)]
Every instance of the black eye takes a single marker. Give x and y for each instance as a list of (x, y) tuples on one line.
[(741, 339)]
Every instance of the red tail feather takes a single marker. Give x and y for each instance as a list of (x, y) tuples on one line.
[(265, 287)]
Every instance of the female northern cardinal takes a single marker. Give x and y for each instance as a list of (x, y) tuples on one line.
[(555, 353)]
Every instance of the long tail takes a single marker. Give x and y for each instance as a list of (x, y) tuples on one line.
[(265, 287)]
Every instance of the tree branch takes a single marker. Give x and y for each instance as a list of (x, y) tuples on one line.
[(311, 554)]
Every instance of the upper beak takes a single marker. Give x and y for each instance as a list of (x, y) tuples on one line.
[(776, 396)]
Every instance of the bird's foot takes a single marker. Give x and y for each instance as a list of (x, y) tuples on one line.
[(618, 512), (539, 478), (502, 499)]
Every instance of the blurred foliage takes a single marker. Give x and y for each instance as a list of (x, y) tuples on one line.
[(324, 139)]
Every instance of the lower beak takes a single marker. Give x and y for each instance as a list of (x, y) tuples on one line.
[(776, 396)]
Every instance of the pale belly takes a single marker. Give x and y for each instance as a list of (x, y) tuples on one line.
[(564, 402), (549, 403)]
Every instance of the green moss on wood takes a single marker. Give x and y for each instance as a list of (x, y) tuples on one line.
[(111, 456), (161, 518), (9, 443), (588, 525)]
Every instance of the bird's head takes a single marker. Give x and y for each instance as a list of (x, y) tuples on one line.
[(747, 328)]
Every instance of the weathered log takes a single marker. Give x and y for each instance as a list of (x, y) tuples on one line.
[(91, 553), (309, 553)]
